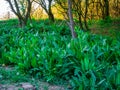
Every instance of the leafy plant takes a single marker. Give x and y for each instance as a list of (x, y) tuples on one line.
[(87, 62)]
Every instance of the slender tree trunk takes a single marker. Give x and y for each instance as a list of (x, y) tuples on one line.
[(85, 17), (80, 22), (51, 16), (80, 16), (17, 11), (71, 23), (106, 9), (21, 22)]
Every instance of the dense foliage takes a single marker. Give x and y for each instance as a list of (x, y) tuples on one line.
[(46, 50)]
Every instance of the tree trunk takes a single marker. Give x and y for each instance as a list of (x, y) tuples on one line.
[(107, 8), (21, 23), (17, 11), (71, 23), (85, 17), (80, 15), (80, 23), (51, 16)]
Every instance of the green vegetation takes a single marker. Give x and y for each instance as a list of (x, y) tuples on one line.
[(45, 50), (111, 27), (9, 74)]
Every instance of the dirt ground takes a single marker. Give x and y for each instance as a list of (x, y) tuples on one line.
[(28, 86), (37, 85)]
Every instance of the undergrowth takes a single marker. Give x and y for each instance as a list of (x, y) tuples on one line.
[(47, 51)]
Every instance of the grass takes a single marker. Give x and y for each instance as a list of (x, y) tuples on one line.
[(45, 51), (11, 77), (111, 28)]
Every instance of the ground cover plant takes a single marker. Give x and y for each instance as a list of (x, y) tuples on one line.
[(45, 50)]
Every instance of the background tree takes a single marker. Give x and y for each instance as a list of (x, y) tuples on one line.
[(22, 9), (105, 9), (85, 14), (47, 6), (77, 4), (79, 11), (71, 23)]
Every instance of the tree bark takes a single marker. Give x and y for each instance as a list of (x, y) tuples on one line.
[(50, 14), (71, 23), (47, 7), (51, 17), (23, 18), (106, 8), (85, 16)]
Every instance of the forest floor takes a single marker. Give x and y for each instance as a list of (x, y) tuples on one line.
[(111, 28), (10, 79)]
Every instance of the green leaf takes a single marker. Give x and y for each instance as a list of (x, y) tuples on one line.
[(34, 62)]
